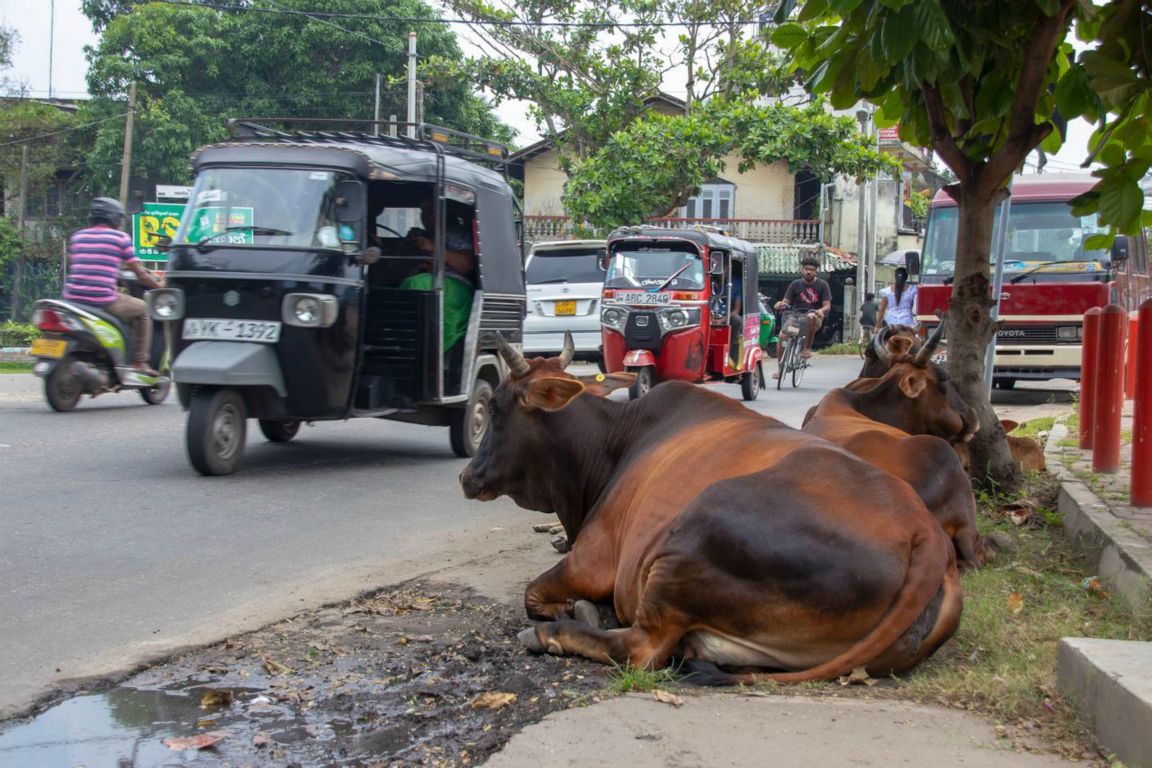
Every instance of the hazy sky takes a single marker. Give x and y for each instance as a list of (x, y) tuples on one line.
[(32, 19)]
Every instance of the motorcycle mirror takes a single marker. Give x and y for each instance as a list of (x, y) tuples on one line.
[(163, 243)]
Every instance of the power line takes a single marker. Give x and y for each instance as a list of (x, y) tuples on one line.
[(65, 130), (317, 15)]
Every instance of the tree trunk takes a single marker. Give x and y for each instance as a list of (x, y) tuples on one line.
[(970, 329)]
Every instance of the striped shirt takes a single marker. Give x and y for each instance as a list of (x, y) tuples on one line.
[(95, 256)]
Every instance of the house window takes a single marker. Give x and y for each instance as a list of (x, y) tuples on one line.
[(713, 202)]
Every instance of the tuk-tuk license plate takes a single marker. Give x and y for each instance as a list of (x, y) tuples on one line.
[(565, 308), (48, 348), (208, 329), (642, 297)]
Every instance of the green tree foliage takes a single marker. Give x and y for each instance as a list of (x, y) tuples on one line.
[(196, 66), (658, 161), (976, 82)]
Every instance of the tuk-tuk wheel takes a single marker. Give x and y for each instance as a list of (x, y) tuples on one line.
[(750, 383), (217, 428), (62, 387), (467, 429), (279, 431), (645, 380)]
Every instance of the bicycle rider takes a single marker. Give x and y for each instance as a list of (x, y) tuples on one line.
[(809, 295)]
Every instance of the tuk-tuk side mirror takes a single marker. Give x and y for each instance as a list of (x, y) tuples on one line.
[(716, 263), (1120, 249), (163, 243), (349, 201), (912, 261), (602, 262)]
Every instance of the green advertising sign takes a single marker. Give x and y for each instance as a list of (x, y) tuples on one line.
[(216, 220), (158, 220)]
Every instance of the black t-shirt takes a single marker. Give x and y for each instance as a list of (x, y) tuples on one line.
[(804, 296)]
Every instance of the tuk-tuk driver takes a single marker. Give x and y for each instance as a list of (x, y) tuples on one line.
[(810, 295), (459, 262)]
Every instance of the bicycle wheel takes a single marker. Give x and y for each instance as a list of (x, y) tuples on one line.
[(798, 368), (784, 362)]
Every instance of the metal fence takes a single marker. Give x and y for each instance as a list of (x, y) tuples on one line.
[(37, 280)]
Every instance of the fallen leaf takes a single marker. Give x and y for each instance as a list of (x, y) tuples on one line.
[(213, 698), (1015, 602), (667, 698), (274, 667), (261, 739), (200, 741), (858, 675), (493, 700)]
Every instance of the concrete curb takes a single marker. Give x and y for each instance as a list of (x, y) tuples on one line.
[(1109, 681)]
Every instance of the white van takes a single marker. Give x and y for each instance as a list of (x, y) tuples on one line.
[(564, 281)]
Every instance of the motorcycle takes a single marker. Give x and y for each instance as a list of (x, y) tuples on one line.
[(84, 351)]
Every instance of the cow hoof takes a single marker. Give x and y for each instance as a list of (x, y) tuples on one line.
[(586, 612), (561, 544), (530, 640)]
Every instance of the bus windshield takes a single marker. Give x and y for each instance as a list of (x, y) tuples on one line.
[(649, 267), (1044, 237)]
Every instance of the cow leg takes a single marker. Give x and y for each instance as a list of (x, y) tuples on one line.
[(585, 573), (632, 646), (595, 614)]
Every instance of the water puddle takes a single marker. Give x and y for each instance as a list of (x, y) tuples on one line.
[(123, 728)]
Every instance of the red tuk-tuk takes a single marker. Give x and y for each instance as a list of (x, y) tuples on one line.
[(681, 304)]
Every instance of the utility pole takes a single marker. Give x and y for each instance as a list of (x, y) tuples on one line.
[(376, 110), (126, 159), (411, 85), (863, 115), (18, 279)]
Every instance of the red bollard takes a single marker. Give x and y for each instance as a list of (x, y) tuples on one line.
[(1109, 390), (1140, 489), (1130, 365), (1089, 341)]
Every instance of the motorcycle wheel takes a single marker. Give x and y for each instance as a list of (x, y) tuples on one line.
[(750, 383), (467, 429), (62, 388), (217, 428), (157, 394), (645, 380), (279, 431)]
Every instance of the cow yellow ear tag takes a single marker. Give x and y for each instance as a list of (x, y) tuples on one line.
[(600, 377)]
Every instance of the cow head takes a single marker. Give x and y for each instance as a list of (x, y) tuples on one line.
[(522, 454), (888, 344), (916, 396)]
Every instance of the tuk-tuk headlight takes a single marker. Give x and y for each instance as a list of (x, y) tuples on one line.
[(165, 303), (614, 318), (677, 317), (310, 310)]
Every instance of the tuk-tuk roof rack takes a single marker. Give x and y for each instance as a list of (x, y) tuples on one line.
[(429, 137)]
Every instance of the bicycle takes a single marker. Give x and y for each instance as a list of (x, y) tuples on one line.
[(792, 330)]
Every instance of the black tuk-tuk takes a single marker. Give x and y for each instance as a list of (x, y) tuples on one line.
[(321, 275)]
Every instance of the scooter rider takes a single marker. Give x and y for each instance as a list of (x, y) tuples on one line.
[(96, 254)]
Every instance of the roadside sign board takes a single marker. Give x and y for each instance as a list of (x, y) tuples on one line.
[(156, 221)]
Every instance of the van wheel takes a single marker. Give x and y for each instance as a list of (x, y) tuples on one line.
[(62, 388), (645, 380), (217, 428), (467, 428), (279, 431), (750, 383)]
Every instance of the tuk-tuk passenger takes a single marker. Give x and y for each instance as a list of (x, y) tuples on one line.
[(459, 262)]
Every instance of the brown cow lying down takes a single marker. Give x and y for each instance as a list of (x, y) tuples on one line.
[(1027, 453), (717, 534), (925, 462)]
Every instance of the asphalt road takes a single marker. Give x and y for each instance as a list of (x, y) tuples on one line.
[(114, 552)]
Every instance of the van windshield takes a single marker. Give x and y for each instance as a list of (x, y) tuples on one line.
[(648, 267), (1045, 237), (281, 207), (564, 265)]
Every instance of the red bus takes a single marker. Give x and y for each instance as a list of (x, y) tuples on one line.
[(1049, 278)]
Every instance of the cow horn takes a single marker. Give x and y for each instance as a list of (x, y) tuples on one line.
[(511, 356), (925, 353), (569, 350), (880, 348)]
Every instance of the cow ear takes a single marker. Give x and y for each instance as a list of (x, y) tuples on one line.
[(899, 345), (1008, 425), (602, 384), (913, 384), (551, 393)]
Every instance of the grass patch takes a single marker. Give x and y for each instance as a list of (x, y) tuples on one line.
[(1034, 427), (633, 679), (843, 348), (15, 366)]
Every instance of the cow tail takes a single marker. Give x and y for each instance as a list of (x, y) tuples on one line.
[(928, 563)]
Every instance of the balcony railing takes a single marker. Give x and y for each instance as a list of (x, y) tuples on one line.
[(540, 228)]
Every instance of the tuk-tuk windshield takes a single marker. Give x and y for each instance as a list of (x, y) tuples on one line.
[(650, 266), (279, 207)]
